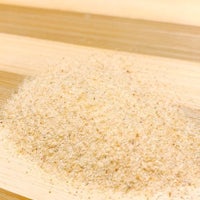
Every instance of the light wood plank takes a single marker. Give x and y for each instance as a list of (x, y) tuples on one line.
[(8, 84), (174, 11), (133, 35), (5, 195)]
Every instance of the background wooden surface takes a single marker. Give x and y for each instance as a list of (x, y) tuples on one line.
[(173, 11), (133, 35), (32, 39), (6, 195)]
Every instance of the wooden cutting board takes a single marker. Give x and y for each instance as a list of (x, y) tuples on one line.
[(33, 39)]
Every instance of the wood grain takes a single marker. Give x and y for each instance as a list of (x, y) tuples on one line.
[(6, 195), (8, 84), (173, 11), (133, 35)]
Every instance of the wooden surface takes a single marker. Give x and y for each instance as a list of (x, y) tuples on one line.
[(174, 11), (22, 56), (8, 84), (6, 195), (139, 36)]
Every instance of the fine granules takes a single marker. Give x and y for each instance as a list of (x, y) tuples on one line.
[(103, 124)]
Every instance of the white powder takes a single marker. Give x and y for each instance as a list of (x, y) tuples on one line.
[(101, 123)]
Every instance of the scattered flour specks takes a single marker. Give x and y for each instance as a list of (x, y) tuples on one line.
[(101, 123)]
